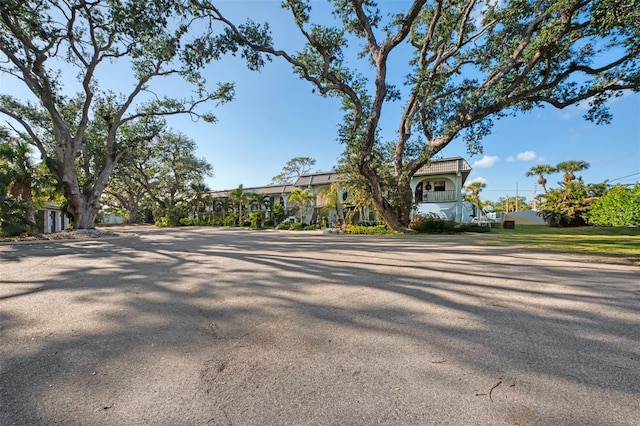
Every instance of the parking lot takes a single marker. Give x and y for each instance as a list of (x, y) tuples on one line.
[(205, 326)]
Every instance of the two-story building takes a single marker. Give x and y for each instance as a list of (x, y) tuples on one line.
[(437, 189)]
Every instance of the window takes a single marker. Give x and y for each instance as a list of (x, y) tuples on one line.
[(439, 185)]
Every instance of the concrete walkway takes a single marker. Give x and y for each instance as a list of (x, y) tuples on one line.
[(201, 326)]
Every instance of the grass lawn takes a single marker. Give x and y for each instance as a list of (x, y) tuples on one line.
[(615, 242)]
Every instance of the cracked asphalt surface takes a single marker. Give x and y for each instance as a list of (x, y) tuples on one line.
[(205, 326)]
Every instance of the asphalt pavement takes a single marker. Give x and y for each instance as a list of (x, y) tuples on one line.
[(206, 326)]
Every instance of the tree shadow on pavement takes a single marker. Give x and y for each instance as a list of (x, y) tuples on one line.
[(213, 326)]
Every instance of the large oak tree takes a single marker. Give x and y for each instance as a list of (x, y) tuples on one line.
[(71, 55), (163, 171), (467, 64)]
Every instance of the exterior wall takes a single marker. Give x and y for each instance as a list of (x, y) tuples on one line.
[(447, 203), (448, 211), (525, 217), (54, 220), (109, 219)]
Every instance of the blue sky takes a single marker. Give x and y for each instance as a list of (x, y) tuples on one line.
[(275, 116)]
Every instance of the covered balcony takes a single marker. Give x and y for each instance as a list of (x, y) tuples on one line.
[(440, 190), (448, 195)]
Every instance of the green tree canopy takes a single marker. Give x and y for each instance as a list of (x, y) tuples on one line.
[(570, 167), (467, 64), (291, 171), (619, 206), (47, 45), (163, 170), (541, 170)]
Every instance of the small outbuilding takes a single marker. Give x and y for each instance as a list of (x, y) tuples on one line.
[(51, 218)]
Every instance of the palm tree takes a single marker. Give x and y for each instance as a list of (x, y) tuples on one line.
[(19, 171), (569, 167), (473, 196), (199, 191), (332, 200), (302, 198), (541, 170), (359, 201), (259, 200), (239, 199), (224, 205)]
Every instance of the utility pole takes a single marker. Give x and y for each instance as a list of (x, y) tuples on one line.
[(516, 196), (533, 200)]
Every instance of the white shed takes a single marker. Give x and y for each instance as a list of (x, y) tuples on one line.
[(51, 218)]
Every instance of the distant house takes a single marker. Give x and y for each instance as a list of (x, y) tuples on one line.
[(437, 189), (51, 218)]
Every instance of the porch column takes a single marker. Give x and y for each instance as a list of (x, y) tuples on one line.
[(458, 183), (45, 222), (414, 184)]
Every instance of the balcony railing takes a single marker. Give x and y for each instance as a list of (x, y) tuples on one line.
[(438, 196)]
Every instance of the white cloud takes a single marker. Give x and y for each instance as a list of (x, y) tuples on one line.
[(478, 179), (486, 161), (510, 159), (526, 156)]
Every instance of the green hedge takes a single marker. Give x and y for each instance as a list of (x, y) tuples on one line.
[(369, 230)]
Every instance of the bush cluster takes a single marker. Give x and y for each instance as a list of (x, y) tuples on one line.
[(430, 225), (620, 206), (370, 230), (297, 226)]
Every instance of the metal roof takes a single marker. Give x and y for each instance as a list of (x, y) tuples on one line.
[(267, 190), (441, 166), (445, 166), (321, 178)]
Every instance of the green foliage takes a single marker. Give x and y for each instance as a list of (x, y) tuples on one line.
[(57, 50), (171, 217), (291, 171), (471, 63), (302, 198), (510, 204), (570, 167), (569, 204), (159, 170), (13, 216), (205, 220), (472, 227), (424, 224), (284, 226), (230, 220), (297, 226), (240, 201), (618, 241), (164, 221), (429, 225), (369, 230), (620, 206), (256, 218)]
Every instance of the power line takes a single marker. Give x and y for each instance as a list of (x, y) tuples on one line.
[(625, 176)]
